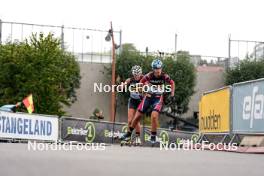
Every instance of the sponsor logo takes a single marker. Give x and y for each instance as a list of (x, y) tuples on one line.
[(91, 132), (117, 133), (75, 131), (110, 134), (164, 136), (194, 138), (253, 106), (211, 122), (25, 126), (88, 131), (124, 129)]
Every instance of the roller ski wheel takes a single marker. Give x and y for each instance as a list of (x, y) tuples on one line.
[(126, 143), (154, 141), (137, 144), (125, 140)]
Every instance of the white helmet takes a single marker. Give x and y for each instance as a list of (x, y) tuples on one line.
[(136, 70)]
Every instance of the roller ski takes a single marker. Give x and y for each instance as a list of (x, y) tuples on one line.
[(137, 141), (126, 139), (126, 143), (130, 140), (154, 140)]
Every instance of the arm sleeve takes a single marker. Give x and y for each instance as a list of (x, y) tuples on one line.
[(145, 79), (171, 82)]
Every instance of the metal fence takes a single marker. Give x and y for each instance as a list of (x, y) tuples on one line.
[(244, 49), (210, 60), (88, 45), (195, 59), (237, 50)]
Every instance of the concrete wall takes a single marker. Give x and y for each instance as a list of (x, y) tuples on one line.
[(88, 100), (208, 78)]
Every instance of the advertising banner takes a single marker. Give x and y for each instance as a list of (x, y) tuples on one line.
[(28, 126), (214, 111), (248, 104), (168, 136), (84, 130)]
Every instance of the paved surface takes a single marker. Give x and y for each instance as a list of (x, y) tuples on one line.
[(16, 160)]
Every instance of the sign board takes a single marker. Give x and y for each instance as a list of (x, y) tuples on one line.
[(248, 104), (26, 126), (214, 111), (84, 130), (90, 131)]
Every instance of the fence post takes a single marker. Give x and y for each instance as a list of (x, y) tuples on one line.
[(231, 113), (120, 41), (229, 52), (0, 31), (62, 37)]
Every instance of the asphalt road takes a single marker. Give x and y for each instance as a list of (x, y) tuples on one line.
[(17, 160)]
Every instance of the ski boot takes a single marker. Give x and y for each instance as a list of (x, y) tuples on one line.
[(125, 139), (153, 140), (137, 141)]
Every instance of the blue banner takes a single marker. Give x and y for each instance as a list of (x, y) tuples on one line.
[(247, 107)]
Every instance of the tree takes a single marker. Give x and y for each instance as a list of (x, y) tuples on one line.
[(246, 70), (38, 66), (182, 71)]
